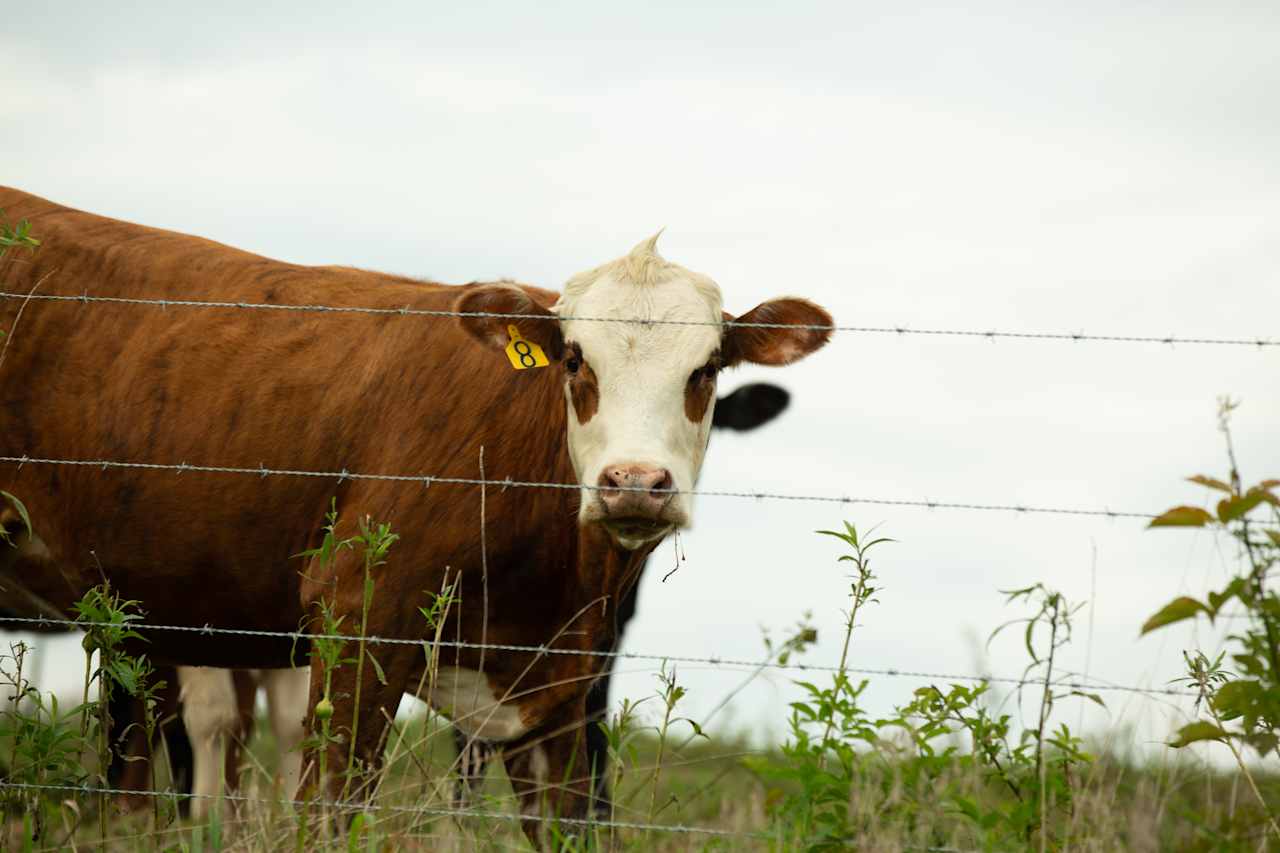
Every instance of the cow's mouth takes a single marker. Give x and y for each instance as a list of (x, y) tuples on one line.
[(632, 532), (638, 526)]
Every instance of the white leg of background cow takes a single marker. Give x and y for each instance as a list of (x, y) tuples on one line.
[(287, 694), (210, 713)]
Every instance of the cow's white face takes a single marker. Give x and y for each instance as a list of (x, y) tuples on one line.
[(640, 397)]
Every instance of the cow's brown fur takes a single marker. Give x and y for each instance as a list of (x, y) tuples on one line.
[(584, 388), (700, 390)]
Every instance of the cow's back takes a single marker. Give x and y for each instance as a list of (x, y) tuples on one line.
[(243, 388)]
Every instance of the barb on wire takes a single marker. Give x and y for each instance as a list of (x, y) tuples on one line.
[(891, 672), (980, 334), (433, 811), (424, 480)]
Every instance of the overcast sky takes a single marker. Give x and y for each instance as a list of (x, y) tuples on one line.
[(1107, 168)]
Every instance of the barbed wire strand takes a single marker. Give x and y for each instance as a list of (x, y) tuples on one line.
[(892, 672), (429, 480), (433, 811), (992, 334)]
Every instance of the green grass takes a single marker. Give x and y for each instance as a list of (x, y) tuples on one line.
[(1119, 804)]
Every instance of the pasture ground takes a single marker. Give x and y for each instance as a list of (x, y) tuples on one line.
[(1119, 804)]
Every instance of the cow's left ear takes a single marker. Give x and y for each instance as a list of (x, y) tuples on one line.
[(536, 323), (776, 345)]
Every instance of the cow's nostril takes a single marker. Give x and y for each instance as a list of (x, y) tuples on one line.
[(630, 483), (663, 485)]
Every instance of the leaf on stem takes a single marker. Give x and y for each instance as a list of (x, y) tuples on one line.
[(1182, 516), (1201, 730), (1175, 611), (1092, 697), (1211, 483), (377, 667), (1229, 509)]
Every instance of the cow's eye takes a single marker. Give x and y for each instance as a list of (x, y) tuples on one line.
[(572, 364), (706, 373)]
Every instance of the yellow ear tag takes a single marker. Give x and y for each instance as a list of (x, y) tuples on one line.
[(522, 353)]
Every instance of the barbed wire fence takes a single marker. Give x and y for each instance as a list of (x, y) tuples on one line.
[(409, 311), (1067, 680), (348, 807), (427, 480), (544, 651)]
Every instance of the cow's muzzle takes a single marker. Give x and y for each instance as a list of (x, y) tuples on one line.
[(635, 491), (636, 501)]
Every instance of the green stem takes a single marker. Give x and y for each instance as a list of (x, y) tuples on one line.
[(1046, 705), (859, 594), (104, 749), (1259, 576), (324, 727), (657, 764), (17, 699), (84, 705), (1244, 768), (366, 595)]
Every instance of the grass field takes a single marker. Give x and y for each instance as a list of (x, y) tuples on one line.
[(1176, 803)]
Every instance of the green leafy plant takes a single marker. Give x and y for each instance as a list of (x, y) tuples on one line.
[(16, 236), (108, 623), (821, 763), (669, 694), (44, 746), (373, 541), (1037, 767), (914, 760), (1240, 704), (621, 734)]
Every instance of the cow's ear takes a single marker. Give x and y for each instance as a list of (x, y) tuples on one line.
[(777, 344), (486, 310), (749, 407)]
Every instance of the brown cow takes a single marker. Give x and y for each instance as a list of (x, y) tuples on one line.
[(622, 410), (216, 722)]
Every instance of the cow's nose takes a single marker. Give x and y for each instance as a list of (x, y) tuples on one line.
[(640, 490)]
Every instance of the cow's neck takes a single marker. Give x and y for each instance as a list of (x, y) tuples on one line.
[(572, 576), (606, 573)]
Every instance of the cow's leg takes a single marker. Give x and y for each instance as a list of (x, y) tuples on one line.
[(177, 746), (287, 706), (598, 743), (598, 709), (548, 771), (245, 682), (211, 715), (131, 755), (474, 755)]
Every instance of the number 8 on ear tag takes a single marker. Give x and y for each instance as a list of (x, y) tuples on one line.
[(522, 353)]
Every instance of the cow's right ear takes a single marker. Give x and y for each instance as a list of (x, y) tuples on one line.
[(487, 310)]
